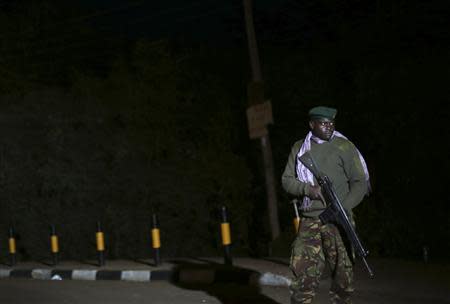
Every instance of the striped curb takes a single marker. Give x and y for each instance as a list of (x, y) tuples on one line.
[(88, 275), (182, 276)]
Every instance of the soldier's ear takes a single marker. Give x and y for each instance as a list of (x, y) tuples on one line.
[(311, 124)]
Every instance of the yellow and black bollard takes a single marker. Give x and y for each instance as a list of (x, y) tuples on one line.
[(297, 216), (12, 246), (100, 245), (54, 245), (156, 241), (226, 236)]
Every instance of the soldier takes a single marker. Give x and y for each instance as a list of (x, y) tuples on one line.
[(316, 243)]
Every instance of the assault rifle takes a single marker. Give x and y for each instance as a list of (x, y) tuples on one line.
[(334, 212)]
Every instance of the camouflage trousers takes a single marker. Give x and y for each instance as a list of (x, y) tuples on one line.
[(315, 245)]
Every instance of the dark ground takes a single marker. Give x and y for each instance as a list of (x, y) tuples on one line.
[(396, 281)]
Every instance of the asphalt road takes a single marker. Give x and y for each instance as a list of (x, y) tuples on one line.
[(21, 291), (396, 282), (115, 292)]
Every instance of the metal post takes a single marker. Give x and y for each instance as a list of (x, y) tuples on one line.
[(100, 245), (54, 245), (12, 246), (256, 90), (156, 241), (226, 236), (425, 253)]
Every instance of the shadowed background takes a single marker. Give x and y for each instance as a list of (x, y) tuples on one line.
[(114, 110)]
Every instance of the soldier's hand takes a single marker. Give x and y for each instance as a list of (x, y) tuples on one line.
[(314, 192)]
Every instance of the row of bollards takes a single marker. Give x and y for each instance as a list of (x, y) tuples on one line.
[(100, 241), (54, 245), (100, 244)]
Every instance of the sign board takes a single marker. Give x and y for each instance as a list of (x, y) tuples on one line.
[(258, 117)]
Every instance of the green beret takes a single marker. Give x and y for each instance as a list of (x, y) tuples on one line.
[(322, 112)]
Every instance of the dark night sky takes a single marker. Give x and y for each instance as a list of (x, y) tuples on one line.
[(277, 21), (156, 20)]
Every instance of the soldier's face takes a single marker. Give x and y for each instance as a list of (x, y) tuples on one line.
[(322, 128)]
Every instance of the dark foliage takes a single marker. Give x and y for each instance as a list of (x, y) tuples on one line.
[(114, 129)]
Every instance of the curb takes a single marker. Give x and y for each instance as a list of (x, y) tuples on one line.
[(182, 276), (88, 275)]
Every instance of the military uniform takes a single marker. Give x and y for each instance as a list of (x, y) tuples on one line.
[(314, 245), (318, 244)]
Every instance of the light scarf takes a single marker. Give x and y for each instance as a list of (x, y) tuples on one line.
[(305, 176)]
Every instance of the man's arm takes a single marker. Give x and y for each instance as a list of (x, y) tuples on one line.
[(289, 181), (356, 178)]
